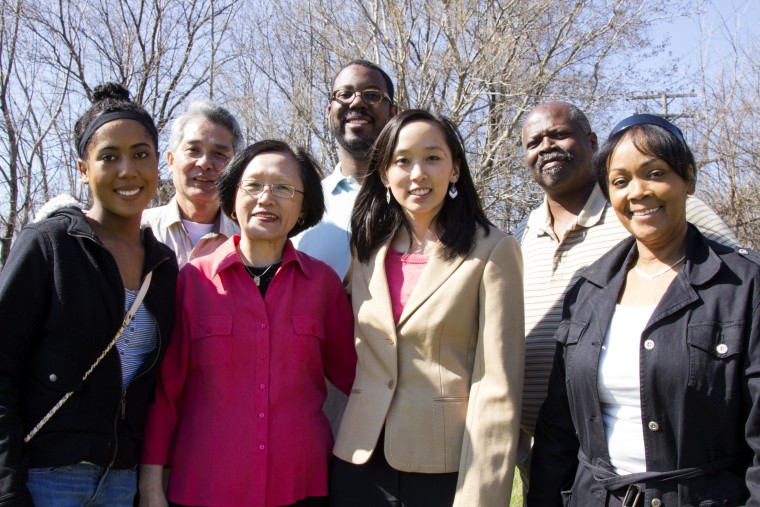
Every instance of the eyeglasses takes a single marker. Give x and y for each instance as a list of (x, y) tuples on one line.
[(371, 96), (255, 188)]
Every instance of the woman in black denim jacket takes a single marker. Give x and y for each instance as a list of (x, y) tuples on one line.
[(652, 400)]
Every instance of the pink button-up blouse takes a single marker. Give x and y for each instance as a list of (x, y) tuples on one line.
[(238, 412)]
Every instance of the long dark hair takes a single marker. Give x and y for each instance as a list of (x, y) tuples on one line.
[(374, 221)]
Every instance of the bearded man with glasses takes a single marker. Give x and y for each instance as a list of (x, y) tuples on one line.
[(360, 104)]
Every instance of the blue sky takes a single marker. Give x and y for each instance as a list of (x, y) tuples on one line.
[(706, 30), (705, 33)]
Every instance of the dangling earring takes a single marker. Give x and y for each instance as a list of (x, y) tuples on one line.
[(453, 192), (388, 195)]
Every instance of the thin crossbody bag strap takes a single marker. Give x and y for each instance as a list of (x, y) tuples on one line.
[(127, 319)]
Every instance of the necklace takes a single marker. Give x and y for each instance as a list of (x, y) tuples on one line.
[(257, 278), (659, 273), (418, 247)]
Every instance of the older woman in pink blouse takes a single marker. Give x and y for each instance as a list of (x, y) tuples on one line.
[(238, 414)]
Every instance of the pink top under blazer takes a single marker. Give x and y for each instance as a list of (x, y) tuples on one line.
[(238, 413), (445, 380)]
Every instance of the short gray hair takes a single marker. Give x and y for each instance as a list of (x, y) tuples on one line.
[(212, 112)]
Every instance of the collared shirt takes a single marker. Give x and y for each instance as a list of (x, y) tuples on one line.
[(238, 412), (552, 265), (166, 222), (329, 240)]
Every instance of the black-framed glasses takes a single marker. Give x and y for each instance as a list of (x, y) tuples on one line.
[(370, 96), (255, 188)]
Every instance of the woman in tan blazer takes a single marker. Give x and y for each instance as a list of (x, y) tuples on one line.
[(433, 416)]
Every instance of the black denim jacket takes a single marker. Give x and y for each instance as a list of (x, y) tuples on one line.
[(700, 382)]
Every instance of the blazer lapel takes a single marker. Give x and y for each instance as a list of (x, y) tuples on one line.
[(376, 281), (437, 271)]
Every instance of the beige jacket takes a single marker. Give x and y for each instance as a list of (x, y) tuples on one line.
[(446, 381)]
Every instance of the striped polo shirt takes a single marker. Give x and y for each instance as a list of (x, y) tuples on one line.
[(552, 266)]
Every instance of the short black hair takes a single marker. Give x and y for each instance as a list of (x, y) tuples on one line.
[(374, 220), (373, 66), (652, 140), (310, 172), (110, 98)]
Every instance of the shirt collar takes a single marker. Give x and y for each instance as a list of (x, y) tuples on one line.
[(337, 182), (589, 216), (593, 209), (223, 224), (227, 256)]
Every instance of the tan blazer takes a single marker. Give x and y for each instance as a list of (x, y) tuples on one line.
[(446, 381)]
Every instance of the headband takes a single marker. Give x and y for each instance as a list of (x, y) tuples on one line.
[(109, 117), (648, 119)]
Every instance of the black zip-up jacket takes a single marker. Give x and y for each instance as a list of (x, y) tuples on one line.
[(61, 303)]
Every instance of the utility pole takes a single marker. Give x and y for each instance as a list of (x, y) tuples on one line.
[(664, 97)]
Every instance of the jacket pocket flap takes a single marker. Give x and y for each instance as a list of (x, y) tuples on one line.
[(210, 326), (57, 372), (719, 340), (303, 324), (570, 331)]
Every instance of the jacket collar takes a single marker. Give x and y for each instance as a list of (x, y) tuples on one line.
[(227, 256), (608, 274), (436, 272), (701, 264), (155, 252)]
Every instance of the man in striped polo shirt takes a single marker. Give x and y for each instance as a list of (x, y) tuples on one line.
[(571, 229)]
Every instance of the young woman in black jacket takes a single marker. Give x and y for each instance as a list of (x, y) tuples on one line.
[(64, 292)]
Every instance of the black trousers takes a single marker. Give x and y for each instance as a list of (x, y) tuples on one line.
[(377, 484)]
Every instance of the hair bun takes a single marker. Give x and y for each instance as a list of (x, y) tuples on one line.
[(113, 91)]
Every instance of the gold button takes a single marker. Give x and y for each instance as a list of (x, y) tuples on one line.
[(654, 426)]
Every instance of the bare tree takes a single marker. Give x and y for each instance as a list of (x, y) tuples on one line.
[(272, 62), (30, 107), (481, 63), (727, 126)]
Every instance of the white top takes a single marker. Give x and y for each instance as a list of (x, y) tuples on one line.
[(196, 230), (329, 240), (619, 384)]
